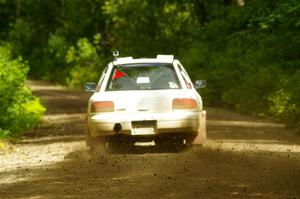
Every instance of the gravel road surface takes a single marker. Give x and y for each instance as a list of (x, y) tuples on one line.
[(245, 157)]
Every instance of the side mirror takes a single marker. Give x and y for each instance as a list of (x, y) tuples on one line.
[(200, 84), (90, 86)]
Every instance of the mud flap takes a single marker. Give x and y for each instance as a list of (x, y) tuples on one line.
[(201, 137)]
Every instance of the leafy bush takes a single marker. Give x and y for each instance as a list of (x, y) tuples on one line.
[(19, 109), (20, 36), (248, 61), (49, 63), (85, 60)]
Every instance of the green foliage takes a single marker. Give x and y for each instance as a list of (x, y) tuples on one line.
[(149, 27), (291, 114), (280, 14), (20, 36), (249, 66), (19, 109), (84, 61)]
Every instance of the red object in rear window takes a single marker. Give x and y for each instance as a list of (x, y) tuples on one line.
[(184, 103), (103, 106), (119, 74)]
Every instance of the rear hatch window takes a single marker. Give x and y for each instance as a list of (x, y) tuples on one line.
[(145, 76)]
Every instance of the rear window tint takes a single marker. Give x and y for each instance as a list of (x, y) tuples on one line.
[(150, 76)]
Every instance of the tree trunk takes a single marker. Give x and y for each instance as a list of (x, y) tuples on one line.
[(200, 10)]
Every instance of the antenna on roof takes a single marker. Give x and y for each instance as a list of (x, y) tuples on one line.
[(116, 54)]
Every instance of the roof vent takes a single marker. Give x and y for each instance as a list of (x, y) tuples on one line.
[(168, 58), (121, 60), (124, 58)]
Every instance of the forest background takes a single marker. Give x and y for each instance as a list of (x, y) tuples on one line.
[(247, 50)]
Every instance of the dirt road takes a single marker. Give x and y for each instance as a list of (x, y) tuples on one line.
[(245, 157)]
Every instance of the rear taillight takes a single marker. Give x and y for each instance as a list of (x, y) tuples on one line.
[(184, 103), (103, 106)]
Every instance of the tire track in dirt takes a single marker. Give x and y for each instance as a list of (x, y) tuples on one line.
[(245, 157)]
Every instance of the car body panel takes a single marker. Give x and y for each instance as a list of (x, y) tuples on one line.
[(150, 101)]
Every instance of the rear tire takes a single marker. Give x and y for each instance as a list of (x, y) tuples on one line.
[(201, 136), (95, 143)]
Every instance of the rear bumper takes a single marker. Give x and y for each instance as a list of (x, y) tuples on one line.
[(175, 122)]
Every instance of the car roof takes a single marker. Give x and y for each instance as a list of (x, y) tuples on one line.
[(131, 60)]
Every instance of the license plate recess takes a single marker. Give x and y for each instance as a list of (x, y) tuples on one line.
[(147, 127)]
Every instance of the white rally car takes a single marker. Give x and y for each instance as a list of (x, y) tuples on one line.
[(149, 99)]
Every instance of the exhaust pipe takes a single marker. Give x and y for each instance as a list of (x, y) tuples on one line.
[(117, 128)]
